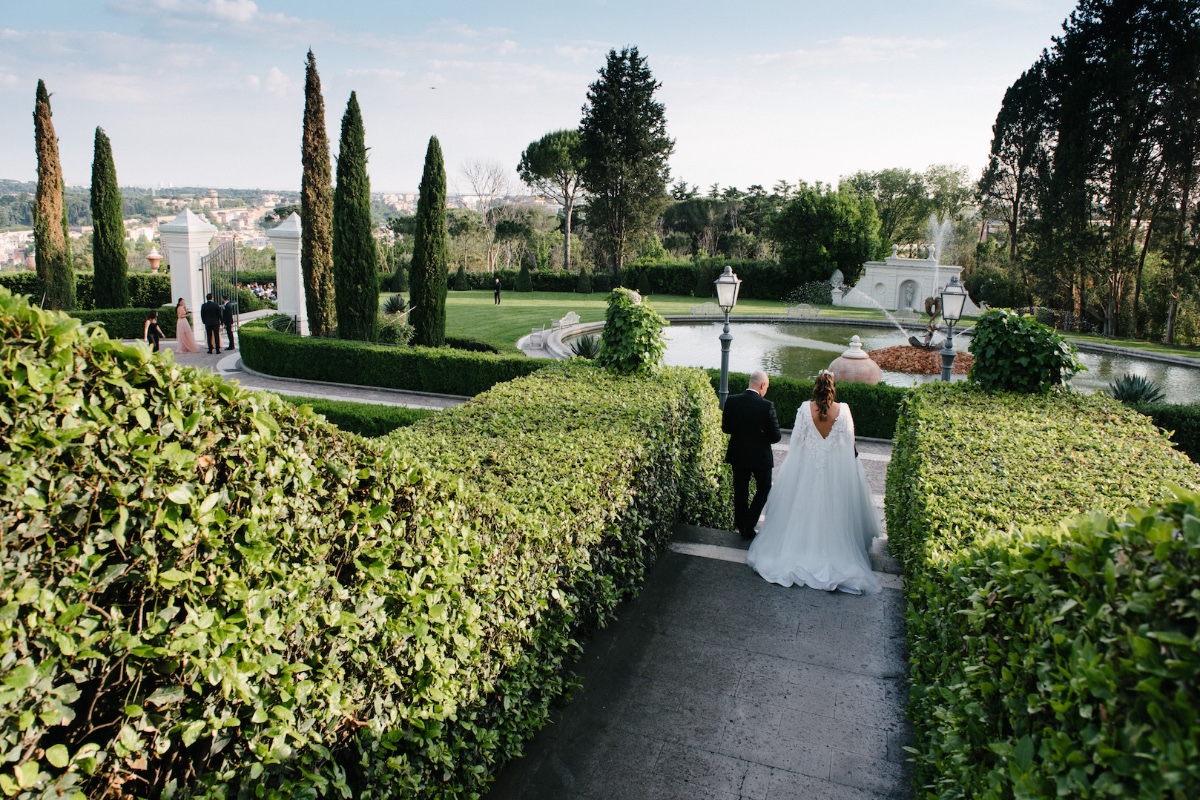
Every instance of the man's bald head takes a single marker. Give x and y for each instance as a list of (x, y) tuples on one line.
[(759, 381)]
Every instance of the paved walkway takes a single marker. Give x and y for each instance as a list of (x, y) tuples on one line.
[(714, 683)]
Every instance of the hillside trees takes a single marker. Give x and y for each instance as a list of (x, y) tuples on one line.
[(821, 229), (625, 147), (316, 209), (50, 232), (552, 166), (110, 286), (355, 263), (428, 274)]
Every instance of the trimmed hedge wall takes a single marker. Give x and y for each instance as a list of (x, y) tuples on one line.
[(211, 593), (1182, 422), (440, 370), (875, 408), (365, 419), (128, 323), (1043, 662), (762, 280), (554, 280), (146, 289)]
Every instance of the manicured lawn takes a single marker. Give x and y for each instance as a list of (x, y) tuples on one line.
[(474, 314), (1137, 344)]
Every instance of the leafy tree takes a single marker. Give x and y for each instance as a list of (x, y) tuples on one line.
[(625, 147), (948, 190), (51, 234), (355, 265), (316, 209), (551, 166), (110, 286), (900, 202), (821, 230), (427, 275)]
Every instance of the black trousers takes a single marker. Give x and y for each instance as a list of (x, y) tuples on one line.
[(745, 510), (229, 330), (212, 333)]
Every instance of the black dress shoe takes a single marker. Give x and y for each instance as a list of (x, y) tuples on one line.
[(747, 536), (210, 352)]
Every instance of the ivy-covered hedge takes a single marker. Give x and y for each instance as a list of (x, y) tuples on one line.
[(146, 289), (762, 280), (210, 593), (1181, 421), (440, 370), (1039, 659), (875, 407), (365, 419)]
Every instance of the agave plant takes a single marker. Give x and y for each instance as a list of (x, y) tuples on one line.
[(1130, 389), (394, 304), (586, 347)]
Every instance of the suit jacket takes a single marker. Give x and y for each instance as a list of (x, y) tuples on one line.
[(227, 313), (750, 421), (210, 314)]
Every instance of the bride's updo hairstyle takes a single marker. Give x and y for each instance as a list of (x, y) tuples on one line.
[(824, 393)]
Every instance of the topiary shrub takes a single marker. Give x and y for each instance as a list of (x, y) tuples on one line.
[(1016, 353), (524, 281), (400, 278), (584, 284), (461, 284), (633, 343), (643, 284)]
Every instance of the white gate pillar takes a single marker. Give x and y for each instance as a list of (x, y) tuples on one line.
[(289, 279), (186, 239)]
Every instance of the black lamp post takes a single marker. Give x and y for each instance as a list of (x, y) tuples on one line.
[(727, 294), (954, 297)]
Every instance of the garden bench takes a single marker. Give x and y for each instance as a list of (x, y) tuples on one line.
[(803, 310), (706, 309), (537, 338), (570, 318)]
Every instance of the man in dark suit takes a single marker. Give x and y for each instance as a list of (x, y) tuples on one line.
[(210, 315), (227, 319), (750, 421)]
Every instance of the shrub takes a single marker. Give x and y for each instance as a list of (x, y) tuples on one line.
[(586, 347), (1131, 389), (524, 281), (1181, 422), (633, 342), (365, 419), (1001, 705), (212, 593), (874, 406), (584, 284), (392, 329), (643, 285), (1016, 353), (441, 370), (400, 278), (128, 323), (394, 304), (460, 279), (472, 345), (146, 289), (817, 293)]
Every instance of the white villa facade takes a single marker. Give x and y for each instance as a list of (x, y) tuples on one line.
[(898, 284)]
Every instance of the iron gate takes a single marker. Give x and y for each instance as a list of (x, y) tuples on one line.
[(219, 269)]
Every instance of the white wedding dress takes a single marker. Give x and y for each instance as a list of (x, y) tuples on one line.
[(819, 518)]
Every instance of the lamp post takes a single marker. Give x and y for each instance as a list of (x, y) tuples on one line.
[(727, 293), (954, 297)]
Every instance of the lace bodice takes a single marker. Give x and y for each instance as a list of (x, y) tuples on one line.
[(818, 448)]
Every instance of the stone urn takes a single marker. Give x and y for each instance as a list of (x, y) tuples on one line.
[(855, 365)]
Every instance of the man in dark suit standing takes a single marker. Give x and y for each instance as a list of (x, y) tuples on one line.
[(750, 421), (227, 319), (210, 315)]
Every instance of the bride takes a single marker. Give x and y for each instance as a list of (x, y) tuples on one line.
[(819, 518)]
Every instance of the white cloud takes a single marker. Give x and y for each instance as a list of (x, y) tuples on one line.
[(378, 72), (278, 83), (580, 54), (851, 50)]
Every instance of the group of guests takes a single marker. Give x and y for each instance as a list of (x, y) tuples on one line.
[(261, 292), (213, 316)]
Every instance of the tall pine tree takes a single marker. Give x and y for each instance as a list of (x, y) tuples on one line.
[(355, 265), (52, 243), (110, 287), (428, 275), (316, 209), (624, 147)]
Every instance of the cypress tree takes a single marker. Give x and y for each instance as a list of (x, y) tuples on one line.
[(110, 286), (316, 209), (524, 279), (427, 275), (461, 284), (356, 287), (50, 232)]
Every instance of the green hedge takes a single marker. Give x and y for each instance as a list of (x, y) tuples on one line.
[(365, 419), (1029, 652), (874, 407), (420, 369), (128, 323), (553, 280), (146, 289), (762, 280), (1182, 422), (210, 593)]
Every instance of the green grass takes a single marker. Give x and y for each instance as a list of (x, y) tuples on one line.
[(1138, 344), (474, 313)]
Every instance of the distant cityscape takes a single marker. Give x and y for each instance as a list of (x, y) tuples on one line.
[(244, 217)]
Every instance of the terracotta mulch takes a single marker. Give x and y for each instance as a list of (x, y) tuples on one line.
[(906, 358)]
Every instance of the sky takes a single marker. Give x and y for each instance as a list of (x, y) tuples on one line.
[(211, 92)]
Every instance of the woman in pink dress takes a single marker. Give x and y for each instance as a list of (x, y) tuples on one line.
[(183, 330)]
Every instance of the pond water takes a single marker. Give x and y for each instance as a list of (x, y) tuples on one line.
[(799, 350)]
